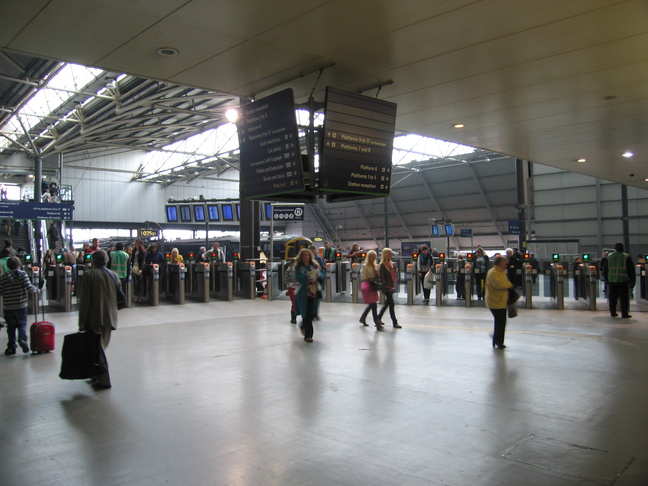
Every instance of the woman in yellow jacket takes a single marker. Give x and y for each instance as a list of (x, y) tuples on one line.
[(497, 294)]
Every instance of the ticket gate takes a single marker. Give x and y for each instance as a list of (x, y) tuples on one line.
[(528, 286), (640, 290), (59, 286), (198, 281), (224, 288), (175, 282), (356, 278), (151, 284), (441, 284), (468, 277), (557, 284), (246, 280), (411, 277), (329, 283), (591, 275)]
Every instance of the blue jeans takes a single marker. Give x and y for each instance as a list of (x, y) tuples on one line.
[(16, 319)]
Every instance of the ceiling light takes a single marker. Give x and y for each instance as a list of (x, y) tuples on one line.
[(168, 51), (581, 160), (628, 154), (232, 115), (458, 125)]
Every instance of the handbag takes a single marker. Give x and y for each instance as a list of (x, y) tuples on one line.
[(511, 311), (376, 284), (82, 356), (513, 297)]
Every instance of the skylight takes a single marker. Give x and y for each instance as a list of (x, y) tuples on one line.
[(64, 84)]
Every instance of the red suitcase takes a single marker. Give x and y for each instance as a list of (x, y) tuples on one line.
[(41, 334), (41, 337)]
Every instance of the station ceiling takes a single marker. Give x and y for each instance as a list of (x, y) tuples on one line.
[(551, 82)]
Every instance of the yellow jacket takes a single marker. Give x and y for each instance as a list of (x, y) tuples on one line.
[(497, 285)]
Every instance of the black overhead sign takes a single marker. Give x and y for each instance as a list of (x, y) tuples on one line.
[(34, 210), (356, 154), (270, 155)]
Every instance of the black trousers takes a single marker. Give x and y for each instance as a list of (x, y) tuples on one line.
[(620, 292), (500, 326), (480, 281), (426, 292), (389, 304), (307, 321)]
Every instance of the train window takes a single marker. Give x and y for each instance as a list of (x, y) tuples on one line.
[(199, 213), (172, 214), (212, 212), (228, 212), (185, 214)]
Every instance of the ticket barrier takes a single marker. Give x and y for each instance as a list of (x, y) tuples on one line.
[(356, 277), (59, 287), (557, 276), (329, 283), (127, 288), (640, 290), (468, 291), (411, 276), (225, 276), (197, 281), (528, 286), (246, 280), (151, 284), (592, 279), (439, 278), (175, 280), (341, 270)]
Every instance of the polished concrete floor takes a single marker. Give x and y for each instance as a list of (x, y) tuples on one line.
[(228, 393)]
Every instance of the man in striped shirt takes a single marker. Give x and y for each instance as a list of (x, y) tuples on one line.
[(14, 286)]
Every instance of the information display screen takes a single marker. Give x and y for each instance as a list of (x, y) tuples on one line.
[(357, 145), (172, 214), (185, 214), (199, 213), (269, 144), (448, 229), (228, 212), (212, 212)]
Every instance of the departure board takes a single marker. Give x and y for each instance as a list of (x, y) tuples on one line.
[(356, 152), (270, 154)]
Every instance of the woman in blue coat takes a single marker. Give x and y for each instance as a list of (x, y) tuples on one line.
[(307, 274)]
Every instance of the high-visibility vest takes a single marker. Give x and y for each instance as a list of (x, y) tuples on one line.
[(617, 272)]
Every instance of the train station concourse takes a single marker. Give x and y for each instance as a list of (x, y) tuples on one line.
[(229, 393)]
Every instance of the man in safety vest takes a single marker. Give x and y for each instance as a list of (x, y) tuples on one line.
[(619, 273)]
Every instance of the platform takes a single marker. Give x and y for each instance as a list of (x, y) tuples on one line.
[(228, 393)]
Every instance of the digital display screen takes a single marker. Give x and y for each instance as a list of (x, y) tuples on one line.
[(448, 228), (212, 212), (238, 211), (228, 212), (185, 214), (172, 214), (199, 213), (435, 230), (268, 211)]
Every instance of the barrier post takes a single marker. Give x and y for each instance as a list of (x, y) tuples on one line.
[(437, 280), (560, 287), (468, 290), (269, 280), (593, 280), (355, 286), (252, 280), (155, 291), (409, 279), (181, 283), (528, 286), (327, 277), (128, 291), (230, 281), (67, 292)]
